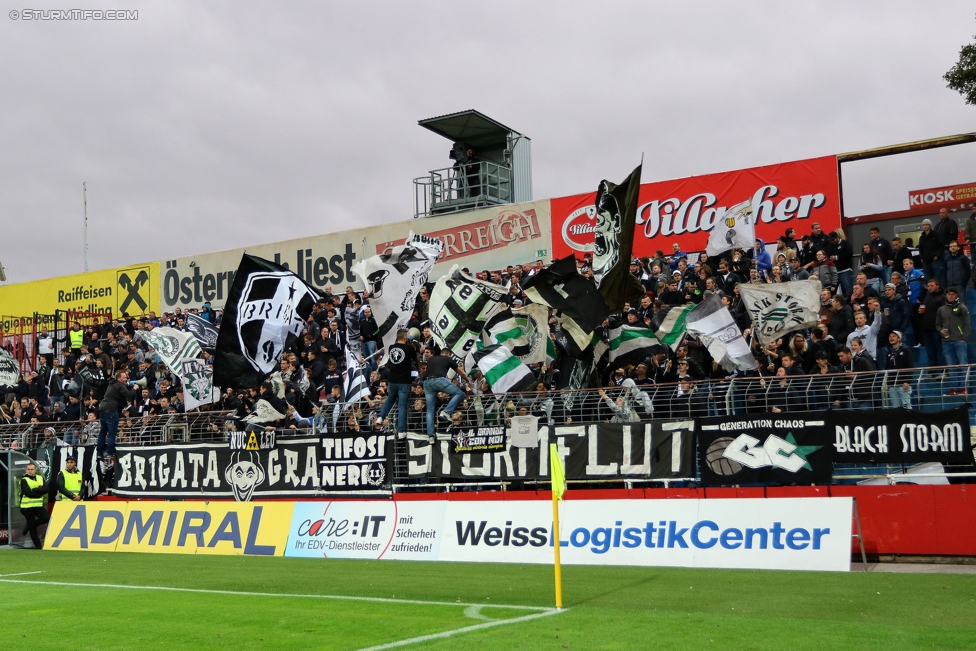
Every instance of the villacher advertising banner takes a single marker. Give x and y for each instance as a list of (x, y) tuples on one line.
[(656, 449), (901, 436), (768, 449), (301, 467), (683, 211)]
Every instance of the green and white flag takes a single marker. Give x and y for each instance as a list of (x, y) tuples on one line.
[(502, 370), (715, 327), (780, 308), (173, 345), (523, 330), (629, 344), (673, 327)]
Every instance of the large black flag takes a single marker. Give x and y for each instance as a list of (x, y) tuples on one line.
[(562, 288), (203, 330), (613, 241), (266, 311)]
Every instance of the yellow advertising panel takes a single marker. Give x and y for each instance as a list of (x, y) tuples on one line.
[(133, 290), (228, 528)]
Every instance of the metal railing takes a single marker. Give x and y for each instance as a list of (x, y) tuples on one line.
[(462, 187), (869, 390)]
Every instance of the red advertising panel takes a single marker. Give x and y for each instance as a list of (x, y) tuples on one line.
[(682, 211), (950, 196)]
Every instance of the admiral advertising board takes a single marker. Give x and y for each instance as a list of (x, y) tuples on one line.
[(226, 528), (785, 534), (133, 290), (480, 239), (682, 211)]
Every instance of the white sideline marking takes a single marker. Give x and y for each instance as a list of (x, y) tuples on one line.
[(471, 610), (23, 573), (466, 629), (274, 594)]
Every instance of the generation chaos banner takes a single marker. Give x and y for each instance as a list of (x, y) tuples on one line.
[(682, 211)]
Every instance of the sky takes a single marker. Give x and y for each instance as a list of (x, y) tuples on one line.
[(204, 126)]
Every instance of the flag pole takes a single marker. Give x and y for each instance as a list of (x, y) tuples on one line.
[(555, 537), (558, 477)]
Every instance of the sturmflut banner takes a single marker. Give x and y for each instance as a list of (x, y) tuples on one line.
[(650, 450), (298, 468)]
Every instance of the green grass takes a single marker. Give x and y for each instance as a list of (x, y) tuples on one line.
[(608, 607)]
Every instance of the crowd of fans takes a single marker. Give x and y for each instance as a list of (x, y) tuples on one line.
[(876, 305)]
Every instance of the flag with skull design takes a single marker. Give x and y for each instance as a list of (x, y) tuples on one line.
[(613, 241), (266, 311)]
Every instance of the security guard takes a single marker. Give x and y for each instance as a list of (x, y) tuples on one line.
[(32, 494), (76, 337), (70, 481)]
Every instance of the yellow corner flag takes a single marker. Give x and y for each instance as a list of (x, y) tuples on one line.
[(558, 477), (557, 473)]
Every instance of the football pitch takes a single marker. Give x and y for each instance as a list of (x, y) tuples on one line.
[(89, 600)]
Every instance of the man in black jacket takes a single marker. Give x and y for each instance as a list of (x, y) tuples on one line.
[(840, 251), (116, 397), (932, 249)]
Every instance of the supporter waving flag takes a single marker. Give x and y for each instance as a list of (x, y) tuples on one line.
[(394, 280), (673, 326), (266, 311), (203, 330), (613, 241), (523, 330), (714, 326), (502, 370), (629, 344), (172, 345), (781, 308), (460, 306), (354, 387), (559, 286)]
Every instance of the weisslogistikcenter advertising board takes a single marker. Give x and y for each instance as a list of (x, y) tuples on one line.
[(784, 534), (682, 211)]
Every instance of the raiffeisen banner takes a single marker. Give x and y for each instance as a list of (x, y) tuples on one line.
[(491, 238), (682, 211), (784, 534)]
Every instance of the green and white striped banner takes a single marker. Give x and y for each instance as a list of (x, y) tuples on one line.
[(673, 327), (502, 370)]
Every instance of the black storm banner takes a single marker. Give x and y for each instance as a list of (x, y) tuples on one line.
[(768, 449), (302, 467), (650, 450), (901, 436)]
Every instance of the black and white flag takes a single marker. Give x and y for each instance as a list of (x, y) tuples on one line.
[(203, 330), (460, 306), (523, 330), (781, 308), (581, 305), (355, 387), (266, 311), (197, 378), (262, 413), (394, 280), (9, 369), (613, 241)]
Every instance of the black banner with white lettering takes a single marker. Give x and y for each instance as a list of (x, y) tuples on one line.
[(302, 467), (901, 436), (659, 449), (767, 449), (476, 439)]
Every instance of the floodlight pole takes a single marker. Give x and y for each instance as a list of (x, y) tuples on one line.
[(84, 199)]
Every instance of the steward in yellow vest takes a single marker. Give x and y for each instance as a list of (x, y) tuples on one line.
[(70, 481), (32, 496)]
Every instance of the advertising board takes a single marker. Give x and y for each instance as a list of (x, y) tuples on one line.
[(949, 196), (785, 534), (133, 289), (227, 528), (483, 239), (682, 211)]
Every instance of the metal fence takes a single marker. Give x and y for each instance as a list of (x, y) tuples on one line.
[(927, 391), (462, 187)]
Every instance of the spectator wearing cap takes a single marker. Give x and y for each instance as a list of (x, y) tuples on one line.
[(797, 272), (898, 362), (958, 269), (932, 250), (953, 324)]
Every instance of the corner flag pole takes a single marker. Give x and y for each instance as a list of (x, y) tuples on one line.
[(558, 488)]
